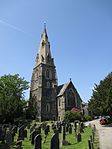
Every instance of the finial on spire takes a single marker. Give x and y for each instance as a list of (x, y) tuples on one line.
[(70, 79), (45, 26)]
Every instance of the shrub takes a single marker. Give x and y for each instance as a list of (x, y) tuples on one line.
[(72, 116), (87, 118)]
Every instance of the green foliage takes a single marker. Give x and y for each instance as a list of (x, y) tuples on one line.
[(101, 100), (72, 116), (12, 96), (87, 118)]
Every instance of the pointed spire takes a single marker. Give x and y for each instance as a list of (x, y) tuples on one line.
[(44, 54), (45, 31)]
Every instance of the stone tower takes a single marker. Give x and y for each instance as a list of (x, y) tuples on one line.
[(44, 82)]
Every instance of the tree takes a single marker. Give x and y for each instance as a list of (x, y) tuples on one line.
[(101, 99), (12, 89)]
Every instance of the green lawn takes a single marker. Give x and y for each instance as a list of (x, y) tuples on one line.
[(69, 137)]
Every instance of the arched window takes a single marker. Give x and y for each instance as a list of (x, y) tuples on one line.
[(70, 101), (47, 107)]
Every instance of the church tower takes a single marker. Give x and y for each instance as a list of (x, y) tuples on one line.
[(44, 82)]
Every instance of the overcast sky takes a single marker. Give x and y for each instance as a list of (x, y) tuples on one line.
[(79, 31)]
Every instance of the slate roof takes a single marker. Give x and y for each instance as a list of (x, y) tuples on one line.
[(61, 89)]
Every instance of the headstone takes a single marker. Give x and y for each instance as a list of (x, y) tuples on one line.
[(64, 133), (33, 134), (93, 134), (38, 142), (45, 134), (67, 127), (19, 144), (70, 129), (21, 133), (79, 138), (28, 126), (25, 133), (3, 135), (31, 129), (59, 129), (48, 128), (89, 144), (14, 129), (94, 128), (8, 138), (1, 132), (64, 141), (54, 142)]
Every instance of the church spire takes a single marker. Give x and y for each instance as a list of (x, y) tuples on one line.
[(44, 54), (45, 28)]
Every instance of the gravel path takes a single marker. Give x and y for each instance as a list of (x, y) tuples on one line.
[(105, 134)]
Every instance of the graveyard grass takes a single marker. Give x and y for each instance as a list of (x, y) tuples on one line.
[(69, 137)]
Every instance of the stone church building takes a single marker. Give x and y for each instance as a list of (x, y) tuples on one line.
[(50, 99)]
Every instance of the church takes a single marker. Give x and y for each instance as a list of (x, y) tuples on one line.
[(49, 99)]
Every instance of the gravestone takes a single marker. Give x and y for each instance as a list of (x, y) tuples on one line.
[(94, 128), (89, 144), (54, 142), (15, 129), (31, 129), (48, 128), (38, 142), (79, 137), (75, 125), (64, 141), (8, 138), (21, 133), (67, 127), (19, 144), (64, 133), (3, 134), (70, 129), (28, 126), (60, 129), (25, 133), (33, 134), (45, 134)]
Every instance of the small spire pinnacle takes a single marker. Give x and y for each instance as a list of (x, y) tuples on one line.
[(70, 79), (44, 27)]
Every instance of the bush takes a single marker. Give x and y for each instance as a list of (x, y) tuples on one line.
[(72, 116), (87, 118)]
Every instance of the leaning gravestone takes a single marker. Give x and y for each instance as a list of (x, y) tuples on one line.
[(38, 142), (54, 142)]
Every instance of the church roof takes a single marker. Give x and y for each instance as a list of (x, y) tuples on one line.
[(61, 89), (75, 109)]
